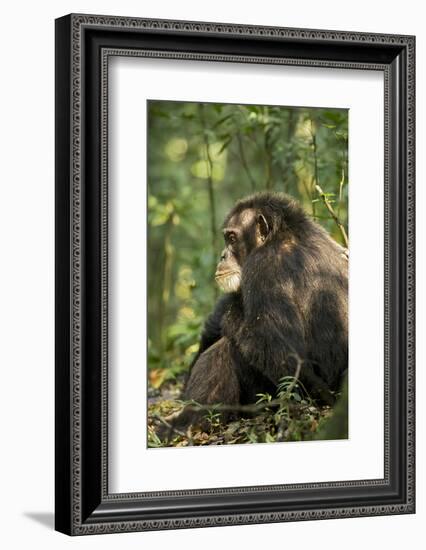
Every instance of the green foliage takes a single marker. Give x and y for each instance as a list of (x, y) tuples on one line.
[(336, 427)]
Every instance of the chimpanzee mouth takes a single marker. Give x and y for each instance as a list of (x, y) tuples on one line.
[(228, 281)]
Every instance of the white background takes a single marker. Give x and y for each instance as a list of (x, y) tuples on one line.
[(132, 81), (26, 302)]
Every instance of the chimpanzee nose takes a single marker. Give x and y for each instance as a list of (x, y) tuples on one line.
[(223, 255)]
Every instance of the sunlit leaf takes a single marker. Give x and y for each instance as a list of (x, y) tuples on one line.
[(157, 377), (176, 149)]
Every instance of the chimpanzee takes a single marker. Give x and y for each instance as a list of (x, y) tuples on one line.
[(285, 311)]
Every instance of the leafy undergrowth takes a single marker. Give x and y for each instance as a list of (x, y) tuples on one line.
[(291, 415)]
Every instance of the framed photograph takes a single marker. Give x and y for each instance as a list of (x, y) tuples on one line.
[(234, 274)]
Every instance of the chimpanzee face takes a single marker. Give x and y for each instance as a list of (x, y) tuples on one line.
[(243, 233)]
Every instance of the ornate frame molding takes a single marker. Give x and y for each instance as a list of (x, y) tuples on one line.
[(86, 507)]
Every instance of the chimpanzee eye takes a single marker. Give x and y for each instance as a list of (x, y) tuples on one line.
[(232, 238)]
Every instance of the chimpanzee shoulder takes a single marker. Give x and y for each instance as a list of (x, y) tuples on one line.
[(212, 330)]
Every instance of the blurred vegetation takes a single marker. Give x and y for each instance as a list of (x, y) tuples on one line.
[(202, 157)]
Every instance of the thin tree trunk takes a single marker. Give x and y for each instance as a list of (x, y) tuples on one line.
[(210, 190), (316, 175), (167, 278)]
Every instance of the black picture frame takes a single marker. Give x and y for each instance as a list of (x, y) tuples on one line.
[(83, 45)]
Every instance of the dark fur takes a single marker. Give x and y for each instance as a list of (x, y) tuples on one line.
[(292, 307)]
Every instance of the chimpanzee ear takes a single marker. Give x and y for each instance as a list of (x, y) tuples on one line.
[(262, 226)]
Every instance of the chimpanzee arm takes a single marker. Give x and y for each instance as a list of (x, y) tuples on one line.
[(271, 335), (212, 330)]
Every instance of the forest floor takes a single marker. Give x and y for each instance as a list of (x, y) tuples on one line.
[(291, 416)]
